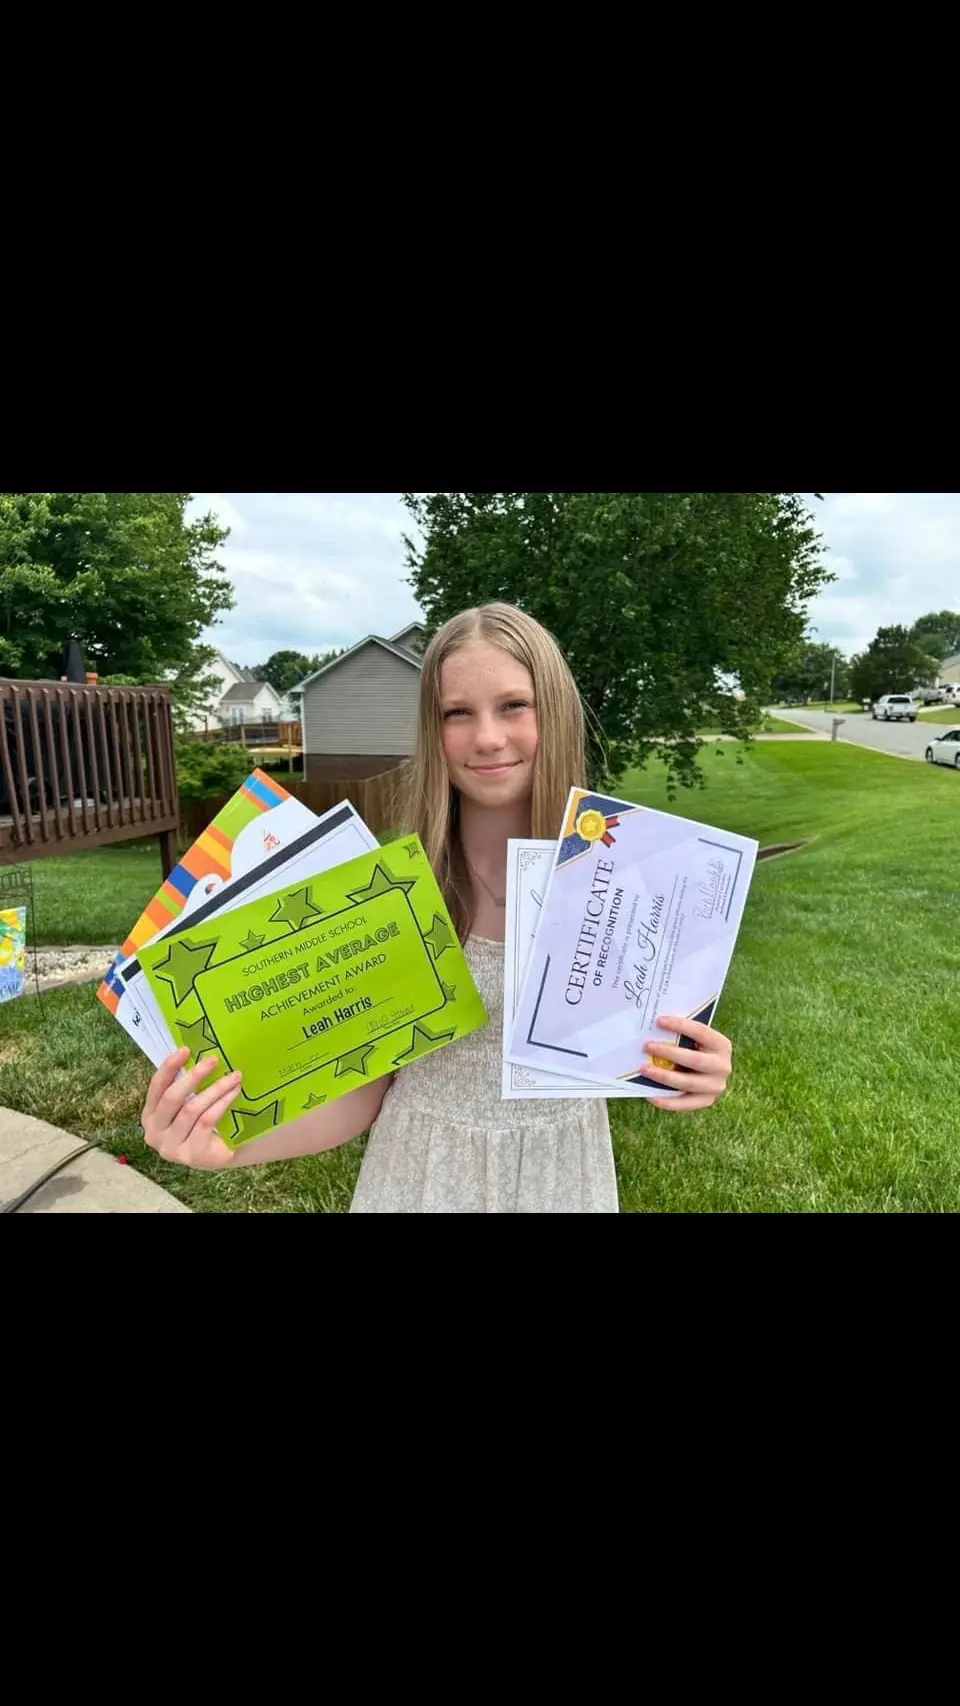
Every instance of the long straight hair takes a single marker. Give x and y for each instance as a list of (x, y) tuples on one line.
[(430, 801)]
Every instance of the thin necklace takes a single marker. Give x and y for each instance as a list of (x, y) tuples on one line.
[(486, 885)]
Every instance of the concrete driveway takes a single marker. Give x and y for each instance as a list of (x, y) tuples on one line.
[(904, 740)]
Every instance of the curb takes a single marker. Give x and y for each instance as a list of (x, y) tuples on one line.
[(91, 1183)]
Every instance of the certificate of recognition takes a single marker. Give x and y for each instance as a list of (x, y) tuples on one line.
[(640, 917), (529, 864), (317, 988)]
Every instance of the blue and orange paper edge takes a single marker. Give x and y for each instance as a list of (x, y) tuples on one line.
[(210, 855)]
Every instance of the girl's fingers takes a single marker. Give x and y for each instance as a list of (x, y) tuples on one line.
[(192, 1111), (205, 1127), (177, 1093), (162, 1080), (711, 1083), (681, 1104), (714, 1042), (694, 1060)]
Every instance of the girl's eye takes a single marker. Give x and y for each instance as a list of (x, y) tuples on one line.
[(458, 712), (518, 705)]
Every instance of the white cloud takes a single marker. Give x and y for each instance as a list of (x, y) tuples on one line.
[(310, 570), (897, 555), (317, 569)]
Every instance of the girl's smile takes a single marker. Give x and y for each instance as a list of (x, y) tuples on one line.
[(489, 723)]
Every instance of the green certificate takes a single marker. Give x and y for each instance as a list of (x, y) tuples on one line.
[(317, 988)]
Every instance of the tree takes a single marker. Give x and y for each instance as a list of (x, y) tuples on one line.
[(654, 597), (123, 573), (810, 674), (890, 664), (937, 633), (287, 669)]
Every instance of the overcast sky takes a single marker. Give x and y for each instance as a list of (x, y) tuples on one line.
[(312, 570)]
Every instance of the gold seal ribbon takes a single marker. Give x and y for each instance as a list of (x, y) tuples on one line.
[(591, 826)]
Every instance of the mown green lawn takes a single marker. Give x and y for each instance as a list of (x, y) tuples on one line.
[(781, 726), (768, 726), (92, 899), (840, 1002), (943, 714), (838, 705)]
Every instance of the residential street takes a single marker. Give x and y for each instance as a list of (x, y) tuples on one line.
[(907, 740)]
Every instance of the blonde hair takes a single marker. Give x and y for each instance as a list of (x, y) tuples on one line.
[(430, 802)]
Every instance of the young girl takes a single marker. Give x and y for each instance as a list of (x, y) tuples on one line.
[(500, 743)]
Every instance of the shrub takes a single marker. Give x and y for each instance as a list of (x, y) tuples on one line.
[(204, 770)]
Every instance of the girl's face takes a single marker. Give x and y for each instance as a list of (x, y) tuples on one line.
[(489, 721)]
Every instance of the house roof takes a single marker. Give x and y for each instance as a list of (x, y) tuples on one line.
[(236, 668), (371, 640), (409, 629), (244, 692), (951, 663)]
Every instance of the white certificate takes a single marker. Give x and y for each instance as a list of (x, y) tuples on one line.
[(529, 864), (640, 918)]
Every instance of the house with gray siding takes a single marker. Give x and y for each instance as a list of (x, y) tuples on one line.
[(359, 713)]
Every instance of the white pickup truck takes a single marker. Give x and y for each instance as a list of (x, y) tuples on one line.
[(893, 707)]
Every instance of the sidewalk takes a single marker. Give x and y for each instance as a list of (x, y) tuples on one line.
[(95, 1183)]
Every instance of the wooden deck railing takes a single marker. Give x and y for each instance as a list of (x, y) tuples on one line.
[(251, 734), (83, 767)]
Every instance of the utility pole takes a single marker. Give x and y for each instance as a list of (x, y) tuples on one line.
[(833, 676)]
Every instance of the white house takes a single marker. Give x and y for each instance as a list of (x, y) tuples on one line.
[(255, 702), (250, 702), (359, 713), (949, 674)]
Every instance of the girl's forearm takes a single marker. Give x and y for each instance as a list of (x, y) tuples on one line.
[(324, 1128)]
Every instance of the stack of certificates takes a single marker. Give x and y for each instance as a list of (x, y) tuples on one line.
[(631, 914), (298, 951)]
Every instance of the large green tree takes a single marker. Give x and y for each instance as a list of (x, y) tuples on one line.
[(287, 668), (123, 573), (890, 664), (810, 673), (658, 599), (937, 633)]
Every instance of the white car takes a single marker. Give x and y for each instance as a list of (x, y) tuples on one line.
[(893, 706), (945, 750)]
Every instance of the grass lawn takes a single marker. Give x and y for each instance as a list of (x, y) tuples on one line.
[(781, 726), (769, 726), (839, 705), (93, 898), (847, 1081), (942, 714)]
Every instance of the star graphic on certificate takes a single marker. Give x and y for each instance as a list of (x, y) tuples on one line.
[(423, 1038), (296, 909), (439, 936), (252, 942), (381, 883), (198, 1037), (253, 1122), (413, 850), (355, 1061), (184, 963), (314, 1102), (449, 990)]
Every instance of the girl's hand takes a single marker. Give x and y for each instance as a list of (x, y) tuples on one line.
[(179, 1119), (709, 1065)]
